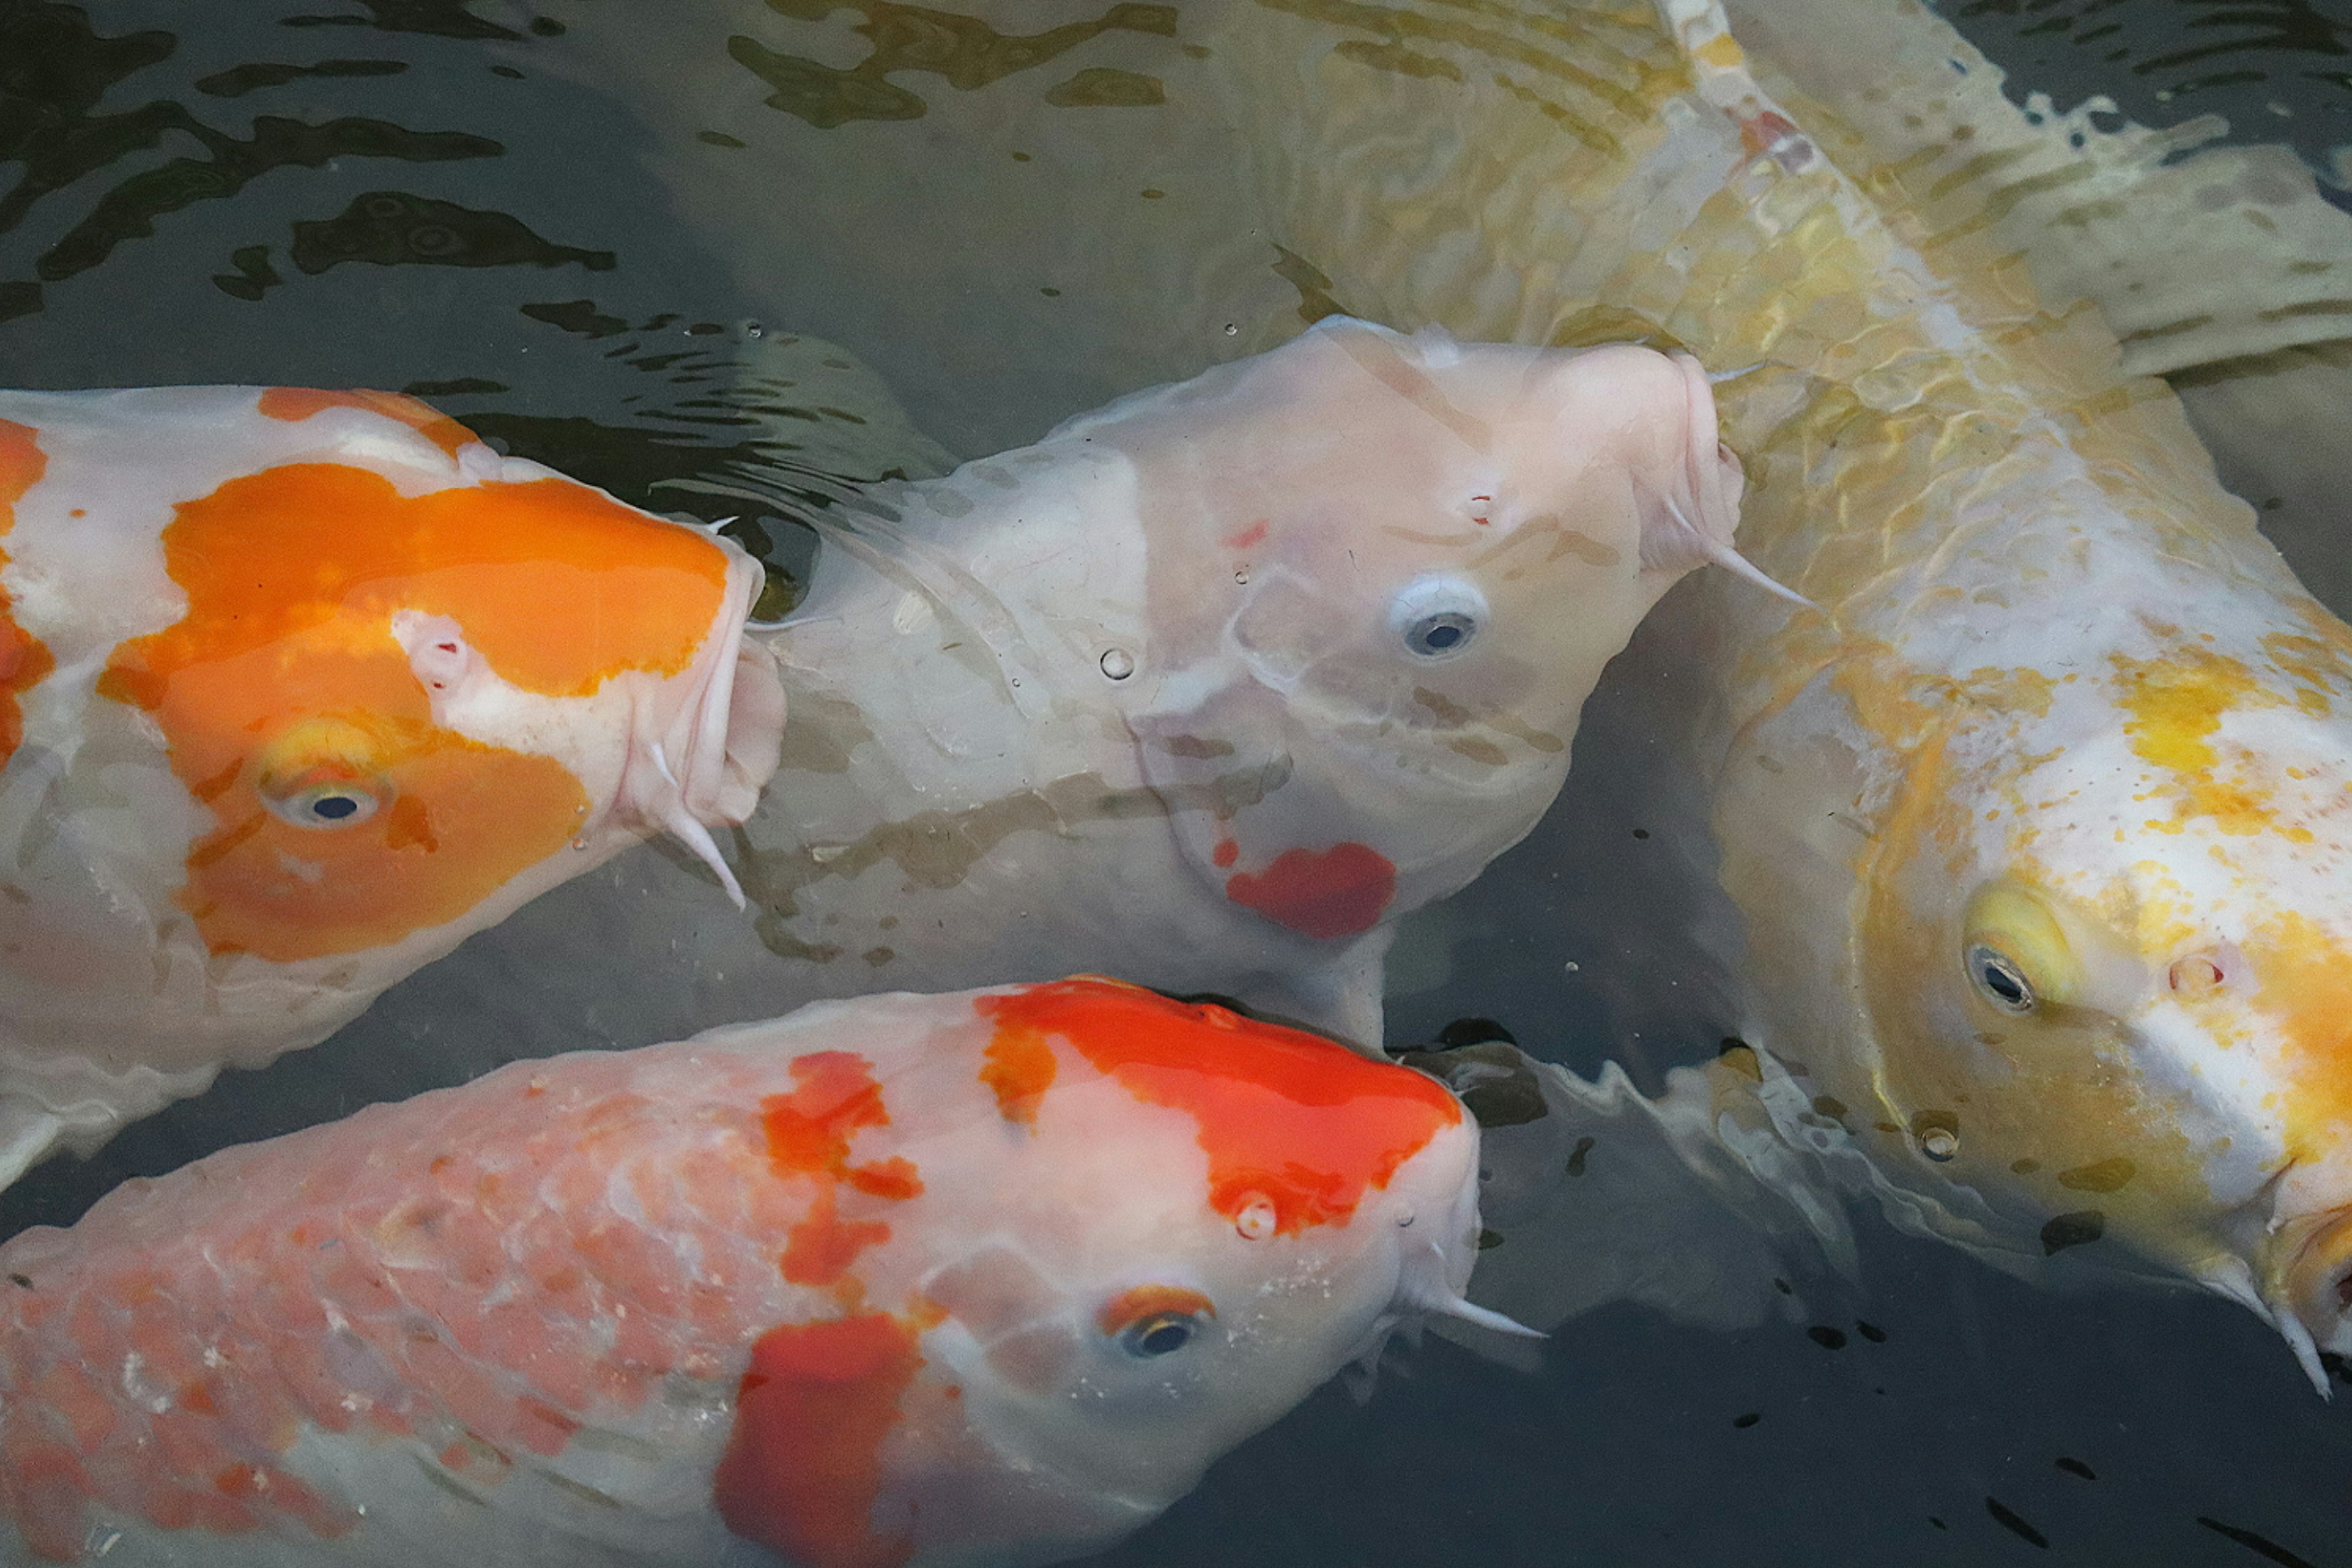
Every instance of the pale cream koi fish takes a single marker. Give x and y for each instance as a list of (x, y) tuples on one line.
[(978, 1279), (298, 689), (1206, 690), (2039, 823)]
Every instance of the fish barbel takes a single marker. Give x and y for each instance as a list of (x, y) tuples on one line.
[(2039, 822), (979, 1278), (300, 689)]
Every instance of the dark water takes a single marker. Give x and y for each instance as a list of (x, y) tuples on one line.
[(447, 198)]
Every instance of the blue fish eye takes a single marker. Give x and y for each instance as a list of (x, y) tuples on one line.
[(1440, 633), (1437, 618), (1162, 1333)]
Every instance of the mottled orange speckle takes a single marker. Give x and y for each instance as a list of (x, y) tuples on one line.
[(809, 1132)]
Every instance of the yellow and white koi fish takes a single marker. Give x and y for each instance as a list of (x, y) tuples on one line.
[(300, 690), (1206, 690), (980, 1278), (2039, 823)]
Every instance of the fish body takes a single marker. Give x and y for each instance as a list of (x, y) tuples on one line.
[(2036, 822), (301, 688), (985, 1278), (1206, 690)]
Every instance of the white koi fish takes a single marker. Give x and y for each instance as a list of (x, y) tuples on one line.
[(1206, 690), (982, 1278), (300, 688), (2039, 822)]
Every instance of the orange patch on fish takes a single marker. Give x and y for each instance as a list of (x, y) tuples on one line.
[(809, 1133), (298, 403), (1018, 1069), (22, 660), (1285, 1118), (1322, 893), (284, 676), (1131, 1306), (802, 1468)]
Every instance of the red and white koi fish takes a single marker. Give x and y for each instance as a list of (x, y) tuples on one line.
[(988, 1278), (297, 691), (1209, 688)]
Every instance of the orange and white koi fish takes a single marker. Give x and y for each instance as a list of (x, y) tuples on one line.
[(297, 689), (980, 1278), (1208, 689)]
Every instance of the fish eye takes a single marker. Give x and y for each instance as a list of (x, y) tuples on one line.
[(2000, 979), (339, 804), (1437, 616), (1154, 1320), (1162, 1333)]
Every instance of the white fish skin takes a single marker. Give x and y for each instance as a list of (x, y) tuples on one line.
[(234, 809), (1142, 699), (2061, 704), (978, 1279)]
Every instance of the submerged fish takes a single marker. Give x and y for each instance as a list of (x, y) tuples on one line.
[(298, 689), (2039, 822), (1206, 690), (978, 1279)]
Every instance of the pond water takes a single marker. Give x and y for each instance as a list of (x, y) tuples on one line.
[(676, 249)]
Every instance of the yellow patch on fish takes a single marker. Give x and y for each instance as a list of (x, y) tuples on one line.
[(2304, 978), (2175, 704)]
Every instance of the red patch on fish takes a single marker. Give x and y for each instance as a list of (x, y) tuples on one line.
[(22, 660), (1226, 852), (1322, 893), (1285, 1118), (809, 1133), (802, 1468), (1253, 534), (298, 403)]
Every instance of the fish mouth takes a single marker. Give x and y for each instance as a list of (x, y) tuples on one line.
[(702, 763), (2318, 1280)]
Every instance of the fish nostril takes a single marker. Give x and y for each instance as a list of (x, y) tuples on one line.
[(2344, 1292), (2195, 975)]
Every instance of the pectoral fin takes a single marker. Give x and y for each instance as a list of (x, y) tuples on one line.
[(28, 1135), (1592, 1192)]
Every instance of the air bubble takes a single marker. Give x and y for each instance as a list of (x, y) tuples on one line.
[(1232, 330), (1939, 1143), (1117, 663)]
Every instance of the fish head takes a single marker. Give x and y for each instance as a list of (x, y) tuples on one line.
[(2108, 962), (414, 683), (1204, 1218), (1384, 573)]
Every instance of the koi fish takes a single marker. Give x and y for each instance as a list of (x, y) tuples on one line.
[(1207, 690), (982, 1279), (2037, 823), (300, 688)]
